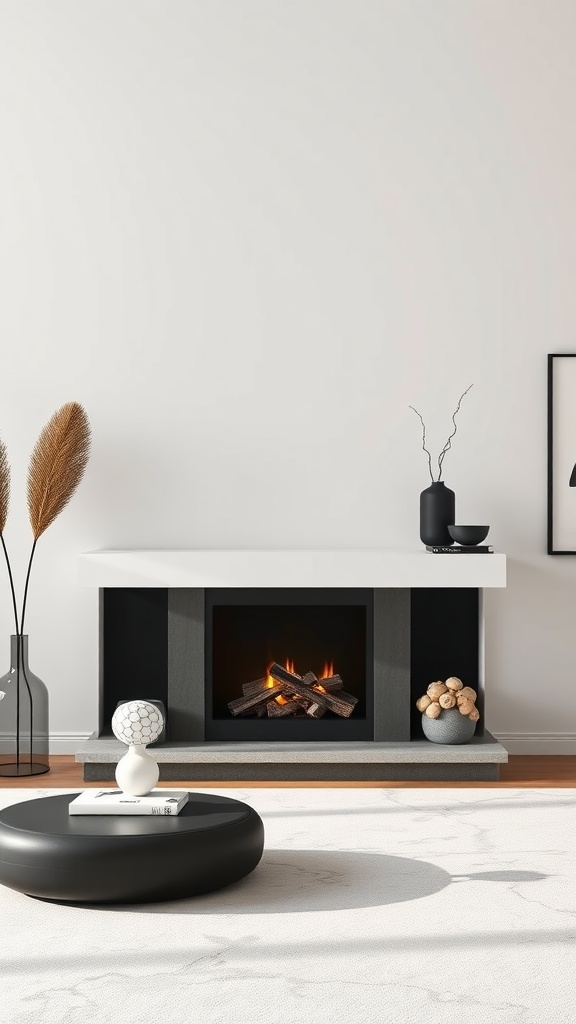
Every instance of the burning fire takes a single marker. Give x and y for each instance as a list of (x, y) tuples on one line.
[(289, 664), (283, 692), (327, 672)]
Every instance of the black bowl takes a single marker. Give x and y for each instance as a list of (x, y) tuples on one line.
[(468, 534)]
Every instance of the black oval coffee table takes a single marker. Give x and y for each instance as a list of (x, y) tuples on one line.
[(47, 853)]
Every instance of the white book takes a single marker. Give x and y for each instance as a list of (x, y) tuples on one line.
[(114, 801)]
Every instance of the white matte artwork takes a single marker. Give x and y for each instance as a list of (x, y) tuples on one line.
[(562, 455)]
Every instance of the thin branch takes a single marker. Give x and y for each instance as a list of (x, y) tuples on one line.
[(17, 628), (21, 650), (11, 579), (448, 444), (26, 588), (20, 663), (424, 441)]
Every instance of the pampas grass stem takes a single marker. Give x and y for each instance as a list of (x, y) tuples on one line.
[(26, 587), (11, 579)]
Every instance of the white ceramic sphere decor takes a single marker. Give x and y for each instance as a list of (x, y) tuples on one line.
[(137, 723)]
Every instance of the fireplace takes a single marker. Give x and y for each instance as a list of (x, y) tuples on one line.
[(199, 629), (315, 636)]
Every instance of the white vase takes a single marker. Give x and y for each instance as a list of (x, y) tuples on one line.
[(137, 772)]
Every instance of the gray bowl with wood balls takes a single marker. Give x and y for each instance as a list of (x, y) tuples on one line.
[(449, 712)]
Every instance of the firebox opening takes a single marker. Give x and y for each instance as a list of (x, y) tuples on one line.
[(269, 653)]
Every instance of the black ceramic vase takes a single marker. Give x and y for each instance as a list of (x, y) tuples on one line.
[(437, 513)]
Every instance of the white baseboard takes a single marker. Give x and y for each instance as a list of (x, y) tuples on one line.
[(537, 742), (67, 742), (515, 742)]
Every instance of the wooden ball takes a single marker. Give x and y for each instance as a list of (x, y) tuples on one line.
[(447, 700), (465, 707), (453, 683), (435, 689), (468, 692)]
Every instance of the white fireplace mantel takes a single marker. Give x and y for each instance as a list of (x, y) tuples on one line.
[(314, 568)]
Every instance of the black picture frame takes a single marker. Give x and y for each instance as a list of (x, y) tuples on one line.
[(554, 367)]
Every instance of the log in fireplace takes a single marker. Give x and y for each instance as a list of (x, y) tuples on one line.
[(282, 693)]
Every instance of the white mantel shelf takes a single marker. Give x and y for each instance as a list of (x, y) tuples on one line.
[(315, 568)]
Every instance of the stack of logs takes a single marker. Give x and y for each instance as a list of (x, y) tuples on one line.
[(291, 694)]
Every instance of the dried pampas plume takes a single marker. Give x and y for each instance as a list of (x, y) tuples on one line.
[(4, 486), (57, 465), (56, 468)]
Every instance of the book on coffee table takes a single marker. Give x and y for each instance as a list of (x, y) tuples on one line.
[(114, 801)]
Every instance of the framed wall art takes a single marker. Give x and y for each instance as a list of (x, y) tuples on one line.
[(562, 453)]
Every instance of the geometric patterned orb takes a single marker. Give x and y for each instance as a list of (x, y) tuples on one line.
[(137, 722)]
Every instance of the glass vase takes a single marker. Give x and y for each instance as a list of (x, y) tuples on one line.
[(23, 716)]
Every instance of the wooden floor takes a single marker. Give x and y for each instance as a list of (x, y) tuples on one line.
[(521, 771)]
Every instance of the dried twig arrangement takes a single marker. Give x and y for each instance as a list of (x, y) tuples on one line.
[(448, 443)]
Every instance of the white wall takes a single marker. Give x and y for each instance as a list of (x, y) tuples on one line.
[(246, 234)]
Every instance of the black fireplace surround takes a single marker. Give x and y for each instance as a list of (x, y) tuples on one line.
[(194, 649)]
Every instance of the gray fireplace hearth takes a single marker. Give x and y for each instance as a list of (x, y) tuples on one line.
[(301, 762)]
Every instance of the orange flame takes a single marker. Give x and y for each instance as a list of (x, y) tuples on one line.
[(289, 668), (327, 672)]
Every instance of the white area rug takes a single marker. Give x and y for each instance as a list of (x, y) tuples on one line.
[(369, 906)]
